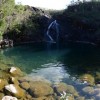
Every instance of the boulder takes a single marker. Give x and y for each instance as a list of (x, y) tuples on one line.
[(71, 90), (15, 90), (88, 78), (15, 71), (59, 88), (1, 96), (40, 89), (13, 80), (70, 98), (2, 83), (9, 98), (97, 77), (80, 98), (88, 90), (50, 98), (25, 85), (62, 87), (41, 98)]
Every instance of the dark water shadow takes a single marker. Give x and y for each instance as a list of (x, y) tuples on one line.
[(82, 58)]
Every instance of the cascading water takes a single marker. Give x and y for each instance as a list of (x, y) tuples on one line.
[(53, 31)]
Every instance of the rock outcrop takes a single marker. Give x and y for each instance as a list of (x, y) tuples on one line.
[(15, 90)]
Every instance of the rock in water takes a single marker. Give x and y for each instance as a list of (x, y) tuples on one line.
[(59, 88), (9, 98), (88, 90), (40, 89), (15, 90), (88, 78)]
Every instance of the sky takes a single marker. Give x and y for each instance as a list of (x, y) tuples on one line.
[(48, 4)]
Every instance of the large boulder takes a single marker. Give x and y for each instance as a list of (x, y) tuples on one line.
[(40, 89), (9, 98), (15, 90)]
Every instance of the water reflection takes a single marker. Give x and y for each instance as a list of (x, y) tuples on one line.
[(77, 58), (82, 59)]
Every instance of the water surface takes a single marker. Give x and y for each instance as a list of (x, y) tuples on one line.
[(53, 63)]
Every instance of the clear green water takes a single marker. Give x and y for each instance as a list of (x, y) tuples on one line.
[(52, 63)]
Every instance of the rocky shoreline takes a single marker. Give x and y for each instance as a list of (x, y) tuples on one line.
[(14, 86)]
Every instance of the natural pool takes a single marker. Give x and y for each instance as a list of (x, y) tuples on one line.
[(63, 63)]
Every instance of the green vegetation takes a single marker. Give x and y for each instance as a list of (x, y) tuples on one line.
[(84, 19), (16, 20), (89, 11)]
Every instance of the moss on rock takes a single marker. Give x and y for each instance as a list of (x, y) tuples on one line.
[(88, 78), (25, 85), (39, 89), (15, 90)]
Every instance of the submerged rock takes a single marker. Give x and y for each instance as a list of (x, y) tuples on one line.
[(59, 88), (80, 98), (88, 90), (40, 89), (15, 90), (9, 98)]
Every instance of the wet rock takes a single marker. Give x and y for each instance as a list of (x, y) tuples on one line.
[(15, 90), (1, 96), (4, 74), (67, 88), (97, 77), (25, 85), (88, 90), (9, 98), (71, 89), (41, 98), (59, 88), (15, 71), (13, 80), (28, 96), (97, 93), (88, 78), (80, 98), (98, 85), (50, 98), (2, 83), (70, 98), (39, 89), (67, 97)]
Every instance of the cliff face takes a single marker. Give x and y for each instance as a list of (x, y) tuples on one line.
[(81, 22)]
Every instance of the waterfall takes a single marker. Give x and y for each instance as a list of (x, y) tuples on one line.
[(52, 30)]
